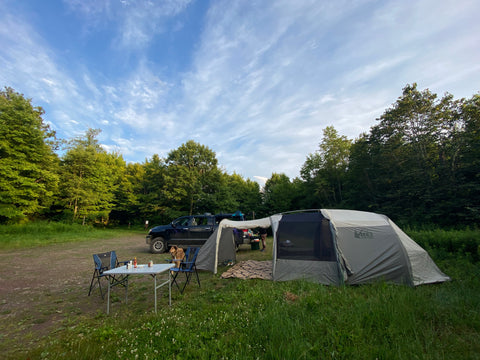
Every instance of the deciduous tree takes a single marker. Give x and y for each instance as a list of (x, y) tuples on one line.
[(278, 194), (191, 177), (325, 170), (90, 177), (28, 164)]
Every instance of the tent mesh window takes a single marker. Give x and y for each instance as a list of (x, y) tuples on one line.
[(305, 236)]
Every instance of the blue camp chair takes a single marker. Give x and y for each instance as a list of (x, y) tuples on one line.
[(187, 267), (103, 262)]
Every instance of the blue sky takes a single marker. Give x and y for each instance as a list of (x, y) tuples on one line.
[(255, 81)]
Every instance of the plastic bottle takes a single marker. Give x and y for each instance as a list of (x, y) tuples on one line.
[(135, 262)]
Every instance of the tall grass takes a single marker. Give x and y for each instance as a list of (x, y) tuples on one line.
[(447, 243), (45, 233), (258, 319)]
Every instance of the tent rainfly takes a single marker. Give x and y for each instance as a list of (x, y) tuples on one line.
[(331, 247)]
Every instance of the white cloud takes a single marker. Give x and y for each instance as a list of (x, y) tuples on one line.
[(137, 22), (261, 180), (265, 78), (277, 77)]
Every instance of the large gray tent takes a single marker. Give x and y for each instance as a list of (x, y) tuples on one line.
[(331, 247)]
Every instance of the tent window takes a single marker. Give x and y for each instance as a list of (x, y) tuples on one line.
[(305, 236)]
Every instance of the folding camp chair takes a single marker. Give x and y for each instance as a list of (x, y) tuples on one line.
[(187, 267), (103, 262)]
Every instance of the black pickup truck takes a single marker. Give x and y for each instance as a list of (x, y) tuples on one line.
[(192, 230)]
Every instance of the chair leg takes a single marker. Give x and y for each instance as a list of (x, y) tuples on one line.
[(92, 284), (187, 280), (188, 276), (198, 279), (174, 280)]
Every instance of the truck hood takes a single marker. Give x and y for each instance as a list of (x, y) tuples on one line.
[(160, 228)]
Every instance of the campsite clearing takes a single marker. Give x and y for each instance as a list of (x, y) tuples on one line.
[(44, 289), (231, 317)]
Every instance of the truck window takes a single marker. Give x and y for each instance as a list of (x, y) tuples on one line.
[(183, 221), (203, 221)]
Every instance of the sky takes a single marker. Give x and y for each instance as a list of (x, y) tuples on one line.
[(255, 81)]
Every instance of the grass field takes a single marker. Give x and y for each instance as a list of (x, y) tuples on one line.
[(250, 319), (47, 233)]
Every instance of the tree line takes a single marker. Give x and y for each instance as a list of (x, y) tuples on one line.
[(418, 164)]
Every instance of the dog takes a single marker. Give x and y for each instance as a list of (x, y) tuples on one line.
[(177, 255)]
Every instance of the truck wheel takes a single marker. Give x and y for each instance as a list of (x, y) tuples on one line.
[(157, 246)]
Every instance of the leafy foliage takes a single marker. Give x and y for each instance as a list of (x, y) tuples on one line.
[(27, 162), (418, 164), (324, 171), (194, 168), (413, 164), (90, 178), (277, 194)]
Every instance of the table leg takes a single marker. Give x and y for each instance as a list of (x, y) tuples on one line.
[(155, 282), (108, 297), (126, 290), (169, 288)]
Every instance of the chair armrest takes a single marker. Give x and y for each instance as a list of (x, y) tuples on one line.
[(124, 262)]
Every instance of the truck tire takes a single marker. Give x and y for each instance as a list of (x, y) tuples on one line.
[(157, 246)]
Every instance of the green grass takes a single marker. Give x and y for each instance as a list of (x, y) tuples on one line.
[(47, 233), (238, 319), (258, 319)]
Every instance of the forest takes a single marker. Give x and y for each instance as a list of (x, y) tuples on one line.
[(419, 164)]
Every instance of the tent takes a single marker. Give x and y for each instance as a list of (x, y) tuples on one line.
[(331, 247), (220, 246)]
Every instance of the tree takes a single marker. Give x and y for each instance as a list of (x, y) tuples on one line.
[(28, 178), (248, 196), (325, 170), (153, 202), (361, 191), (409, 166), (90, 177), (466, 161), (278, 195), (192, 176), (236, 193), (127, 202), (409, 142)]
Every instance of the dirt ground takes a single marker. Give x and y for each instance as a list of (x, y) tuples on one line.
[(41, 288)]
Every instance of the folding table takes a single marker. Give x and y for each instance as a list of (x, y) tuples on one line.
[(154, 270)]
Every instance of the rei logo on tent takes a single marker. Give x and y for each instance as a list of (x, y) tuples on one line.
[(363, 234)]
